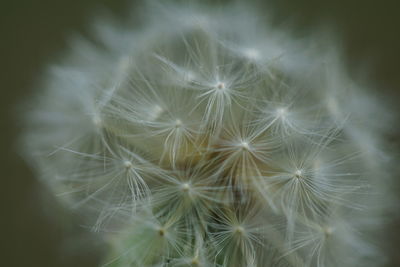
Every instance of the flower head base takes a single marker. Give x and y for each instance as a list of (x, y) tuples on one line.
[(200, 143)]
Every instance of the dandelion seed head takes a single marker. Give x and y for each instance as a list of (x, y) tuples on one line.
[(207, 137)]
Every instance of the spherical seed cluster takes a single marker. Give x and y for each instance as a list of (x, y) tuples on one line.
[(206, 138)]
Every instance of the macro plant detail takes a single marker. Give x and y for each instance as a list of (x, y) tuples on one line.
[(208, 138)]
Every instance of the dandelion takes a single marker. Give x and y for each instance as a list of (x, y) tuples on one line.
[(208, 138)]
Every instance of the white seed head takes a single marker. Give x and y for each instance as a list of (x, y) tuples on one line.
[(204, 137)]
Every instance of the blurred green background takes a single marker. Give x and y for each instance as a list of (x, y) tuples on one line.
[(37, 231)]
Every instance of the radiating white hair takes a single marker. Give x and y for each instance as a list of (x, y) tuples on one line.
[(204, 137)]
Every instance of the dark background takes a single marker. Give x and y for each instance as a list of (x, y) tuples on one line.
[(36, 230)]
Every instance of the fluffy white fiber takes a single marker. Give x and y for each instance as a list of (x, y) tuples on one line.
[(203, 137)]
